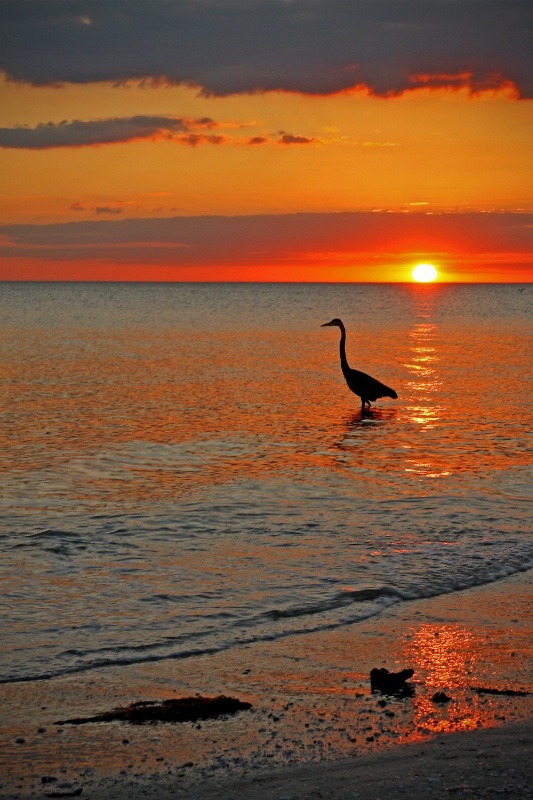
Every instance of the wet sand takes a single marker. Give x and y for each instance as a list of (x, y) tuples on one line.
[(315, 729)]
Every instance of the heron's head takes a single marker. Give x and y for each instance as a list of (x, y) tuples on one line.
[(334, 322)]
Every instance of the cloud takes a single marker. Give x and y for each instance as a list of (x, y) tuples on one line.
[(311, 46), (271, 240), (109, 131), (194, 139), (78, 133), (97, 209), (289, 138)]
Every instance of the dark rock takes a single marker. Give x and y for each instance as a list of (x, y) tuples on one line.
[(440, 697), (184, 709), (381, 680)]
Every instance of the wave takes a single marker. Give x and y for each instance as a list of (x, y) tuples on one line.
[(379, 598), (344, 598)]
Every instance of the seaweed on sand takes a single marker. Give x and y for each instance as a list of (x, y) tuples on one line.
[(181, 709)]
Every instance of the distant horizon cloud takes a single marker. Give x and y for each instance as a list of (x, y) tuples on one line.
[(114, 210), (269, 241), (223, 47)]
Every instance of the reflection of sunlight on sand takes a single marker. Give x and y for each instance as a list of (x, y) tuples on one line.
[(444, 657), (444, 653)]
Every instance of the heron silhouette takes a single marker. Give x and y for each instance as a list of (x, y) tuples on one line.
[(366, 387)]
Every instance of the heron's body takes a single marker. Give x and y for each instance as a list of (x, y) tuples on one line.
[(366, 387)]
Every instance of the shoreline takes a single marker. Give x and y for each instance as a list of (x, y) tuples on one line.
[(313, 714)]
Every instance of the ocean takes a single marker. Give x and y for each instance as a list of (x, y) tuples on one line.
[(184, 470)]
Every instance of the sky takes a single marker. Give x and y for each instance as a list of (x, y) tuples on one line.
[(259, 140)]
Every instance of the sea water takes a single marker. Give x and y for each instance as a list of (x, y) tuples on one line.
[(184, 470)]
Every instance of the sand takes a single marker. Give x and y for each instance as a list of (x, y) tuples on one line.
[(315, 729), (484, 764)]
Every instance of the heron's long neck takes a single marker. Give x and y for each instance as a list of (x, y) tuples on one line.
[(344, 361)]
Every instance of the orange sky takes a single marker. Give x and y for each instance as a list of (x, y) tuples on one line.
[(104, 152)]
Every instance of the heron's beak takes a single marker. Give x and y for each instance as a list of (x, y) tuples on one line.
[(326, 324)]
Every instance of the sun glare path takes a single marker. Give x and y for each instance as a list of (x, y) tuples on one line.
[(424, 273)]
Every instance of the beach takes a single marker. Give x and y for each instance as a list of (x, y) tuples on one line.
[(194, 507), (314, 728)]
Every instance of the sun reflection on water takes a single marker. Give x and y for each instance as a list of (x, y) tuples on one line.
[(425, 382)]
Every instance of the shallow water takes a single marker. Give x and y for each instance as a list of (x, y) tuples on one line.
[(183, 468)]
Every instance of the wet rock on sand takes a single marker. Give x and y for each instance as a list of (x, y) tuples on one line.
[(440, 697), (381, 680)]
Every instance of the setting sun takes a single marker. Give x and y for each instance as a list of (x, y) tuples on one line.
[(424, 273)]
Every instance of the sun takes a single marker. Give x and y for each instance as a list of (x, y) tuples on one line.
[(424, 273)]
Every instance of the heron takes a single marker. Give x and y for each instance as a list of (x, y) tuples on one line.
[(364, 386)]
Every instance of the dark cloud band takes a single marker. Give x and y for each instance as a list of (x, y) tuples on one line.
[(269, 239), (108, 131), (311, 46)]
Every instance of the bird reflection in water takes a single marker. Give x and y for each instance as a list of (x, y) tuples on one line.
[(358, 420), (357, 424)]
